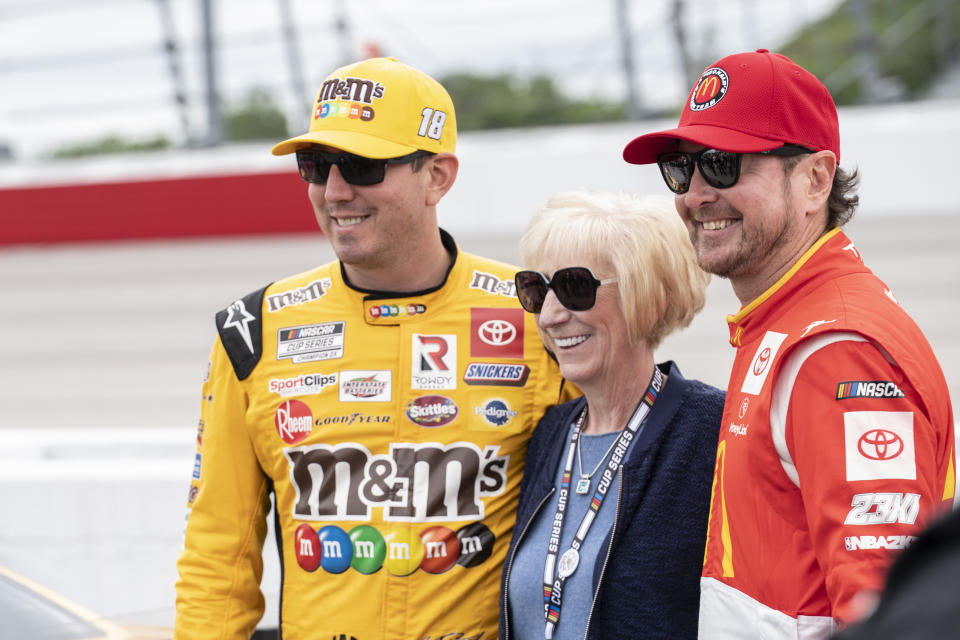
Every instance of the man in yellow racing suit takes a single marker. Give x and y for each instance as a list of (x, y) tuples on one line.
[(384, 399)]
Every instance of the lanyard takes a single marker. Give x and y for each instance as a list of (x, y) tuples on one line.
[(555, 573)]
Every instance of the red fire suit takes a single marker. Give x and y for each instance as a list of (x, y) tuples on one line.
[(836, 447)]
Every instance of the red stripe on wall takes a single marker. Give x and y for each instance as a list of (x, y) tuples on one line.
[(256, 203)]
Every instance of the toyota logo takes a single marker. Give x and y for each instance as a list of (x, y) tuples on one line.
[(880, 444), (763, 359), (497, 333)]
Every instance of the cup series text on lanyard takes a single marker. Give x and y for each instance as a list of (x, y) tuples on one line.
[(553, 581)]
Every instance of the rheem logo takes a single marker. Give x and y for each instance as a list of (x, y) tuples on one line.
[(294, 421)]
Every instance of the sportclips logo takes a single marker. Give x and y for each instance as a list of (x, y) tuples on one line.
[(348, 98), (400, 551), (461, 470)]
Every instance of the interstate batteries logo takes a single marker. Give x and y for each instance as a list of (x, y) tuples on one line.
[(401, 552), (365, 386), (432, 411)]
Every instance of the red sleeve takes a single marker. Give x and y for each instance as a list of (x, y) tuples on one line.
[(869, 464)]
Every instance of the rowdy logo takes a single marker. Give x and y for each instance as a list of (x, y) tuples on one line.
[(434, 362)]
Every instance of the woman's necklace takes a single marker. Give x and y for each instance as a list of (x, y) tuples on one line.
[(583, 484)]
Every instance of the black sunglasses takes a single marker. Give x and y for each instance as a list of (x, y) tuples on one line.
[(575, 287), (720, 169), (359, 171)]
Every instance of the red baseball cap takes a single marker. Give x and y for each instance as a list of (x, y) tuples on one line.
[(749, 102)]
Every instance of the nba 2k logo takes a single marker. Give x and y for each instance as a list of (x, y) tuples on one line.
[(710, 89)]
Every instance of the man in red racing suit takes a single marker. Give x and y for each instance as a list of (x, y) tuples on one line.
[(837, 442), (836, 448)]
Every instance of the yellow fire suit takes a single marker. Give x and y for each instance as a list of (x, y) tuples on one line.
[(392, 431)]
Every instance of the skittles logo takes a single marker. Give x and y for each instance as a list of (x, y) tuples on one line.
[(710, 89), (400, 551)]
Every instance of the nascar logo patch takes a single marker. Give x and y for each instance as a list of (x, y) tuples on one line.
[(868, 389)]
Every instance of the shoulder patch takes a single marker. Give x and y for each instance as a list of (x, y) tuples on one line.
[(241, 331)]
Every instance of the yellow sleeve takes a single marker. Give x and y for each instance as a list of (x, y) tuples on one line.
[(220, 567)]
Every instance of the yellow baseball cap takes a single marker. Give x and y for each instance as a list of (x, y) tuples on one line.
[(379, 108)]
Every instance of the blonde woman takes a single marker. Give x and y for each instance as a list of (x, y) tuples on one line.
[(613, 508)]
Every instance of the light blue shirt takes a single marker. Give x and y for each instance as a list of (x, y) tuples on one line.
[(526, 575)]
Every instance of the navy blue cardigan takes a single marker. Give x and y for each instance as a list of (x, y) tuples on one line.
[(651, 585)]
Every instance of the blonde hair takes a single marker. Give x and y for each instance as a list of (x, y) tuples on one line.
[(661, 286)]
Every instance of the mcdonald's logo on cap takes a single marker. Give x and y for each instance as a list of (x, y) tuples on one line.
[(710, 89)]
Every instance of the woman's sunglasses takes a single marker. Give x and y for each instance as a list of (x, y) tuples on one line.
[(720, 169), (575, 288), (359, 171)]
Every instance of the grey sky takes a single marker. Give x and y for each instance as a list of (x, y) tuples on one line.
[(77, 70)]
